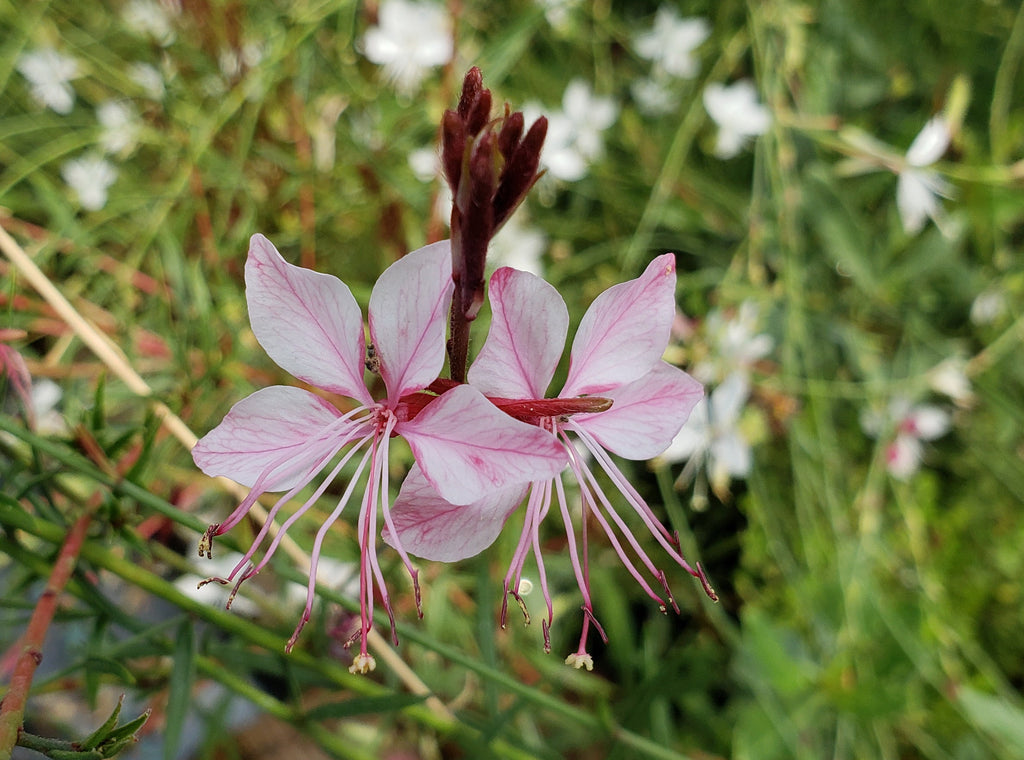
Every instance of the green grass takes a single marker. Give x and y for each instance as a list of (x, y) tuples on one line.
[(860, 615)]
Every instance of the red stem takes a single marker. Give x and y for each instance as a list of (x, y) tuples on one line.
[(12, 709)]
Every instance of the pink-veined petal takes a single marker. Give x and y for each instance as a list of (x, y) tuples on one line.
[(646, 414), (308, 322), (435, 529), (527, 334), (624, 332), (467, 448), (408, 316), (260, 430)]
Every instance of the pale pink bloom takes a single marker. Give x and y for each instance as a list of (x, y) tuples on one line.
[(918, 188), (739, 114), (616, 356), (410, 38), (14, 374), (909, 425), (281, 438)]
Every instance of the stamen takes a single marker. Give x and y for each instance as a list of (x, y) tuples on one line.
[(522, 607)]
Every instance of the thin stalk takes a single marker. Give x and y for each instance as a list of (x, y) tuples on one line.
[(12, 709)]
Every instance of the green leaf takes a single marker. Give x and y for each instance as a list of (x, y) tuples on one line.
[(998, 718), (97, 737), (179, 697), (363, 706)]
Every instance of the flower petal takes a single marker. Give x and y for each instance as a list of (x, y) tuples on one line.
[(624, 332), (930, 144), (434, 529), (308, 322), (468, 449), (525, 342), (408, 316), (916, 200), (260, 431), (646, 414)]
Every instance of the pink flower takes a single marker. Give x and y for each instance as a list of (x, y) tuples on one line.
[(281, 438), (909, 425), (615, 357)]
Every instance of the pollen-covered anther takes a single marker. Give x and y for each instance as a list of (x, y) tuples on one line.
[(522, 607), (206, 542), (362, 664), (580, 660)]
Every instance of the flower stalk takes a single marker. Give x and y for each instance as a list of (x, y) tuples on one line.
[(490, 166)]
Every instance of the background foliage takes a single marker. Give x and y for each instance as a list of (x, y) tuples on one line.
[(862, 615)]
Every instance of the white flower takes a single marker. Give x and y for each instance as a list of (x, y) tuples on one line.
[(146, 17), (149, 78), (49, 73), (653, 97), (918, 189), (738, 114), (89, 177), (410, 37), (988, 307), (712, 432), (910, 424), (46, 394), (670, 44), (120, 127), (518, 246), (735, 343), (574, 134), (949, 377), (425, 164), (558, 12)]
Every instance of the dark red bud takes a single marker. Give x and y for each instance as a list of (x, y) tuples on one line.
[(453, 145), (520, 172), (472, 86), (511, 131), (479, 114)]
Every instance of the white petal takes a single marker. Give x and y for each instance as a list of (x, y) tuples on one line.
[(929, 145)]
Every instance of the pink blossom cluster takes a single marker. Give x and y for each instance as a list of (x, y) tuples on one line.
[(485, 439), (481, 447)]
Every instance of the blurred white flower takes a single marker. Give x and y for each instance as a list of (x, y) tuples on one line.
[(909, 424), (670, 44), (148, 18), (149, 78), (518, 245), (949, 377), (653, 96), (425, 164), (558, 12), (917, 188), (988, 306), (574, 133), (120, 127), (49, 74), (734, 342), (46, 394), (712, 435), (89, 178), (410, 37), (738, 113)]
